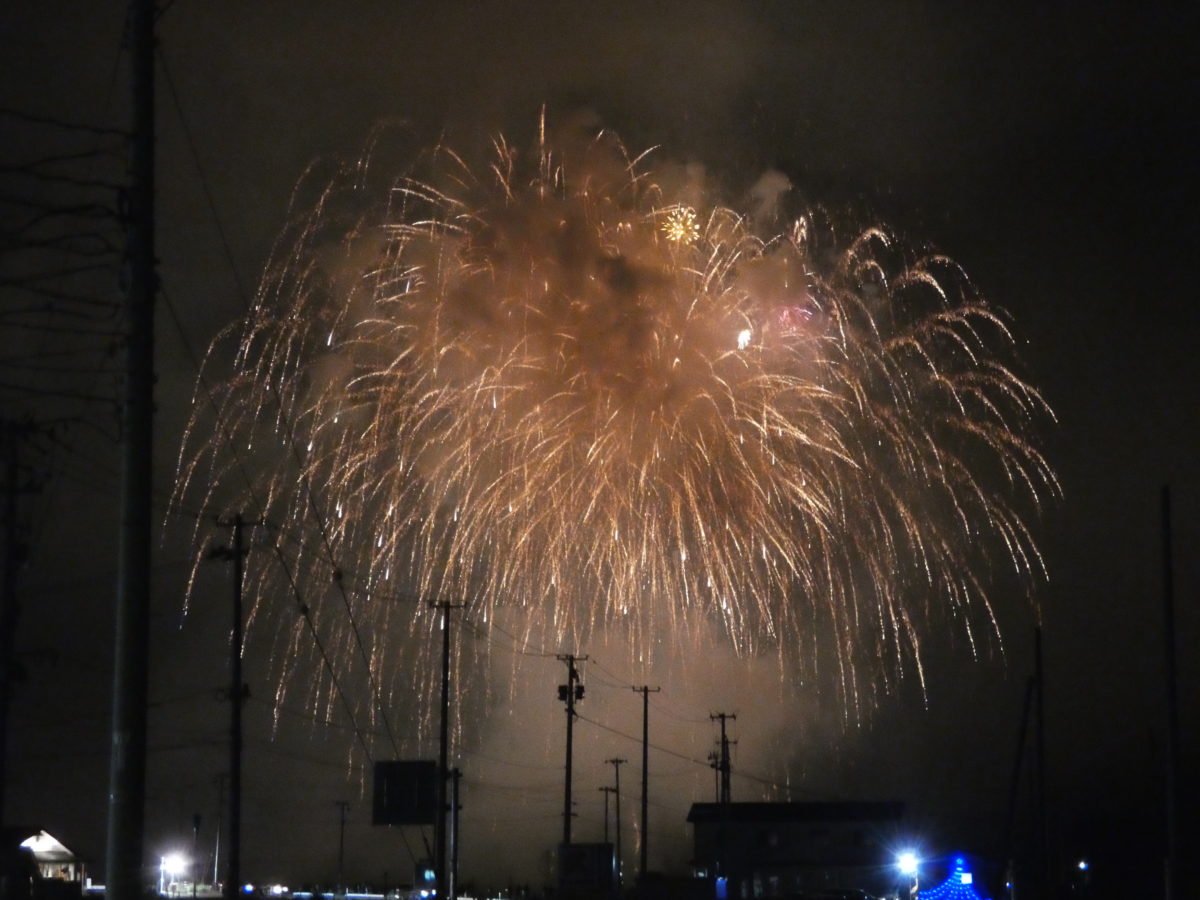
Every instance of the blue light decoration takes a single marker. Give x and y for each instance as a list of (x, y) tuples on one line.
[(959, 886)]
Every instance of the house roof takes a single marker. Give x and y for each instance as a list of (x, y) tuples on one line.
[(44, 846)]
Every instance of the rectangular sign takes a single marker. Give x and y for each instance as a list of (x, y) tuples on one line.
[(405, 792)]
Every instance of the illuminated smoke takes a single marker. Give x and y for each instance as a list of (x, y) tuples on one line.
[(571, 397)]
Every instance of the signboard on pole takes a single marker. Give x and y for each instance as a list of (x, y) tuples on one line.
[(405, 792)]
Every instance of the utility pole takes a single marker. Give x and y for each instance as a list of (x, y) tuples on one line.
[(645, 691), (569, 693), (617, 762), (723, 762), (342, 806), (1045, 881), (455, 778), (444, 882), (220, 781), (1171, 810), (131, 671), (721, 767), (194, 863), (606, 789), (238, 693), (15, 553)]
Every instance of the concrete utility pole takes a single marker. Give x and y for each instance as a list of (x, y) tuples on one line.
[(131, 671), (606, 789), (1045, 879), (238, 693), (723, 765), (15, 553), (455, 778), (194, 863), (1171, 810), (569, 693), (445, 887), (342, 806), (617, 762), (220, 782), (645, 691)]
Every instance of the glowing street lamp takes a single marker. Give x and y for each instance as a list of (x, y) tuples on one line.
[(169, 870), (909, 865)]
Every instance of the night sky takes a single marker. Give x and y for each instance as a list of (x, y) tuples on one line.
[(1045, 147)]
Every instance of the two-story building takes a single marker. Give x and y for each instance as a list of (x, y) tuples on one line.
[(763, 850)]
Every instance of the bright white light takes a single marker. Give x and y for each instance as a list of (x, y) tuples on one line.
[(1083, 865), (173, 864), (907, 862), (43, 843), (744, 338)]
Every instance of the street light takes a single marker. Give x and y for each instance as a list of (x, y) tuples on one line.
[(909, 865), (169, 868)]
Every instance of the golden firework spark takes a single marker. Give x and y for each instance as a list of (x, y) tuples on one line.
[(548, 390), (680, 225)]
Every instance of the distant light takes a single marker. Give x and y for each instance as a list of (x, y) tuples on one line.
[(247, 888), (173, 864), (278, 890), (908, 863), (1083, 865)]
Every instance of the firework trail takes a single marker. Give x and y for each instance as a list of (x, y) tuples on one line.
[(560, 392)]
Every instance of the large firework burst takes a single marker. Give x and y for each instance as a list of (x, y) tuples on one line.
[(556, 390)]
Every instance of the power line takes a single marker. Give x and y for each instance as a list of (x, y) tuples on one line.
[(748, 776)]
